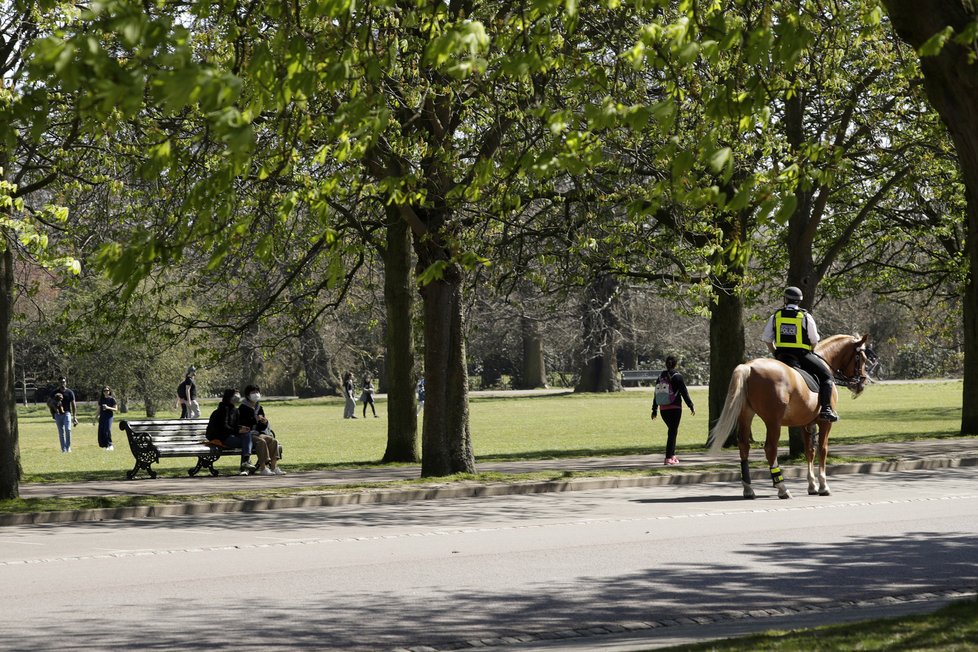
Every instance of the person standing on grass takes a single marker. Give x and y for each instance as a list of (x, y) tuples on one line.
[(670, 392), (367, 396), (63, 411), (106, 411), (187, 395), (420, 395), (350, 407)]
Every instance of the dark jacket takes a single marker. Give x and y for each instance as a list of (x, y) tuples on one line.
[(247, 416), (223, 422)]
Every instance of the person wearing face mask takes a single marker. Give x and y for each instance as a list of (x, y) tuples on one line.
[(252, 415), (225, 426)]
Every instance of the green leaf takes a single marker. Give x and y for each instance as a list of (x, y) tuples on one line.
[(934, 45)]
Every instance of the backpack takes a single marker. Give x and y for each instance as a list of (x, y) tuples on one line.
[(664, 392)]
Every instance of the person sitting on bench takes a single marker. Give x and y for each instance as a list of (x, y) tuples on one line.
[(224, 425)]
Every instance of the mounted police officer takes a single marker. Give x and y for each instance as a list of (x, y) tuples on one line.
[(791, 335)]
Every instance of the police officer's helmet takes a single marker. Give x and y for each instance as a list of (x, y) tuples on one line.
[(792, 295)]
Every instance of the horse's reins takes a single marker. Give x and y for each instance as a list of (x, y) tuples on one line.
[(849, 382)]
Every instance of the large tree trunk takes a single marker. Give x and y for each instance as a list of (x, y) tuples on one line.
[(951, 81), (445, 439), (321, 377), (600, 370), (402, 421), (727, 349), (534, 366), (10, 470)]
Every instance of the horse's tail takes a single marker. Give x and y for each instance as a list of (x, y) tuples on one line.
[(736, 397)]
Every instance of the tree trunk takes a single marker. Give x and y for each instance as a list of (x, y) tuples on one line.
[(534, 365), (600, 370), (402, 420), (252, 364), (10, 470), (316, 363), (445, 439), (727, 349), (951, 81)]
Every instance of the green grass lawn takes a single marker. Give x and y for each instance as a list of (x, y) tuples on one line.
[(951, 629), (315, 435)]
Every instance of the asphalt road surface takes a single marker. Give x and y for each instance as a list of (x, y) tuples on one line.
[(614, 569)]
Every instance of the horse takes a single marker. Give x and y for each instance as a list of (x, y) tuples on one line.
[(779, 395)]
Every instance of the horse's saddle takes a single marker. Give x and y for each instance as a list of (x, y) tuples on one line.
[(811, 380)]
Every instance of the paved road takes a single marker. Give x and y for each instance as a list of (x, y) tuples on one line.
[(582, 570)]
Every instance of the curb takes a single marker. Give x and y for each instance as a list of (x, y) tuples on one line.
[(460, 490)]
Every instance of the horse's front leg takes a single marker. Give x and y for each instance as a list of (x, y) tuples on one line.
[(808, 437), (823, 454), (771, 450)]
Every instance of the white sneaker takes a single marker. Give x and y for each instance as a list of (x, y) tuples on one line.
[(278, 471), (110, 447), (266, 471)]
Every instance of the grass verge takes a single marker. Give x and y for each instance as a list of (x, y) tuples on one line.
[(953, 628)]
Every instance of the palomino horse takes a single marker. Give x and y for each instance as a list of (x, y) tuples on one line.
[(779, 395)]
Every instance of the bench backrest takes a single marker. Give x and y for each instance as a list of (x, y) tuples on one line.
[(170, 431), (639, 374)]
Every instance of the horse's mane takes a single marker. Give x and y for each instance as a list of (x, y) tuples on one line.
[(831, 344)]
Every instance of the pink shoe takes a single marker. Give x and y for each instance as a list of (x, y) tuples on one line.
[(671, 461)]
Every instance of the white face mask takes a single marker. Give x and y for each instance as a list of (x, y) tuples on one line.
[(254, 396), (236, 399)]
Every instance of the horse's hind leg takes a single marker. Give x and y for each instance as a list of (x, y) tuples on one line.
[(771, 450), (809, 432), (743, 441), (823, 454)]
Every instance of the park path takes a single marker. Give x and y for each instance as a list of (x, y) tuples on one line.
[(931, 449)]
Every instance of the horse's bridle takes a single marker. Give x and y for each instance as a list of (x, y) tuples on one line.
[(864, 356)]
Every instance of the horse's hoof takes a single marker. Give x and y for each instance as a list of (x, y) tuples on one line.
[(750, 495), (784, 496), (813, 492), (824, 492)]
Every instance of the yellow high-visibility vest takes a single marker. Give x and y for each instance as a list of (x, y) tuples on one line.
[(790, 331)]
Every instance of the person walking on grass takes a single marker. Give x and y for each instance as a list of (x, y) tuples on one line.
[(106, 411), (670, 392), (63, 411)]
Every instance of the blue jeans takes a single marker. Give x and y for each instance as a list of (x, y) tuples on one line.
[(105, 429), (244, 441), (64, 430)]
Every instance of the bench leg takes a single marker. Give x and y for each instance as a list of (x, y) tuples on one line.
[(205, 462), (131, 475)]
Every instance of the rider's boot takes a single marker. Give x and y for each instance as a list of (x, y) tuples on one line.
[(828, 414), (825, 400)]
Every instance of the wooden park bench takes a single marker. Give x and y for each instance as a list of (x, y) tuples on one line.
[(153, 439), (639, 375)]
